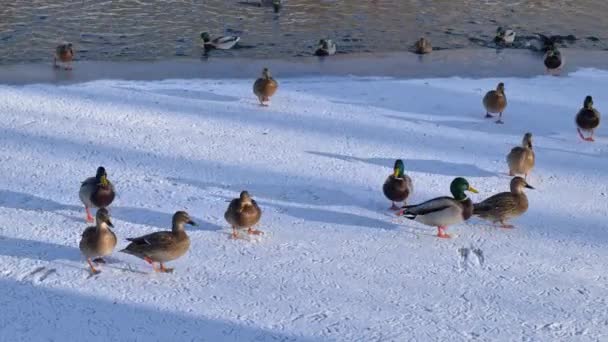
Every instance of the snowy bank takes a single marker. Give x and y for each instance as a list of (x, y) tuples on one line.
[(334, 264)]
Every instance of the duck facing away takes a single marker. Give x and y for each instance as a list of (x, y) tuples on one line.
[(442, 212), (495, 101), (64, 53), (521, 158), (504, 36), (99, 240), (96, 192), (264, 87), (243, 212), (553, 61), (587, 119), (505, 205), (162, 246), (326, 47), (423, 46), (220, 43), (398, 185)]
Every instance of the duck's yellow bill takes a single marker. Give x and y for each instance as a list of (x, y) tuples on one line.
[(396, 174), (473, 190)]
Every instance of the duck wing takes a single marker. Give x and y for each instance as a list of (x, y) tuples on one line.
[(430, 206)]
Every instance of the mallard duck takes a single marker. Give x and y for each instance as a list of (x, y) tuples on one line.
[(495, 101), (504, 36), (96, 192), (220, 43), (553, 60), (423, 46), (243, 212), (276, 4), (521, 158), (163, 246), (505, 205), (264, 87), (398, 185), (99, 240), (587, 119), (326, 47), (442, 212), (65, 54)]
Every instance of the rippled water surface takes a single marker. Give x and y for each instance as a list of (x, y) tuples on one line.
[(157, 29)]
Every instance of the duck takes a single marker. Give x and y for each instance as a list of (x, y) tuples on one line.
[(504, 36), (264, 87), (423, 46), (442, 212), (495, 101), (220, 43), (65, 54), (397, 186), (162, 246), (276, 4), (243, 212), (505, 205), (96, 192), (553, 60), (587, 119), (326, 47), (521, 158), (99, 240)]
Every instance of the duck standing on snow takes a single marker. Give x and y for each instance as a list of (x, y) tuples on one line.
[(65, 54), (98, 241), (163, 246), (495, 101), (553, 60), (398, 186), (442, 212), (423, 46), (505, 205), (96, 192), (587, 119), (521, 158), (264, 87), (504, 36), (326, 47), (220, 43), (243, 212)]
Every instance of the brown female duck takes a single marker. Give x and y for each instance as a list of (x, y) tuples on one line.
[(65, 54), (98, 241), (495, 101), (587, 119), (521, 158), (264, 87), (505, 205), (243, 212)]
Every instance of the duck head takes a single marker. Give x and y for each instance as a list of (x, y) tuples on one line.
[(500, 88), (266, 74), (527, 140), (518, 184), (398, 169), (103, 217), (180, 218), (205, 37), (588, 104), (245, 197), (102, 176), (276, 5), (459, 186)]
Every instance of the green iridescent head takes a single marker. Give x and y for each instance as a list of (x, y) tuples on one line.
[(459, 186), (588, 102), (205, 37), (399, 169)]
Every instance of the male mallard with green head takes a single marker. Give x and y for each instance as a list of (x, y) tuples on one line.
[(505, 205), (442, 212), (243, 212), (96, 192), (264, 87), (398, 185), (587, 119), (504, 36), (495, 101), (98, 241), (221, 43), (163, 246), (423, 46), (65, 54), (521, 158)]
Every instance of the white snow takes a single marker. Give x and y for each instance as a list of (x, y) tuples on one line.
[(334, 264)]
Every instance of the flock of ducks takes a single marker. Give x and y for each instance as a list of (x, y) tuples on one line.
[(243, 213)]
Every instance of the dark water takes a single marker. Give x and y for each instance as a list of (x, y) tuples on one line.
[(159, 29)]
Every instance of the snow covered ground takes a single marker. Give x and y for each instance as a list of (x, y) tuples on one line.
[(334, 264)]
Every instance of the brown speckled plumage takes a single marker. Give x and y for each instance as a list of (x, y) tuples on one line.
[(265, 86), (505, 205), (521, 159), (243, 212)]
